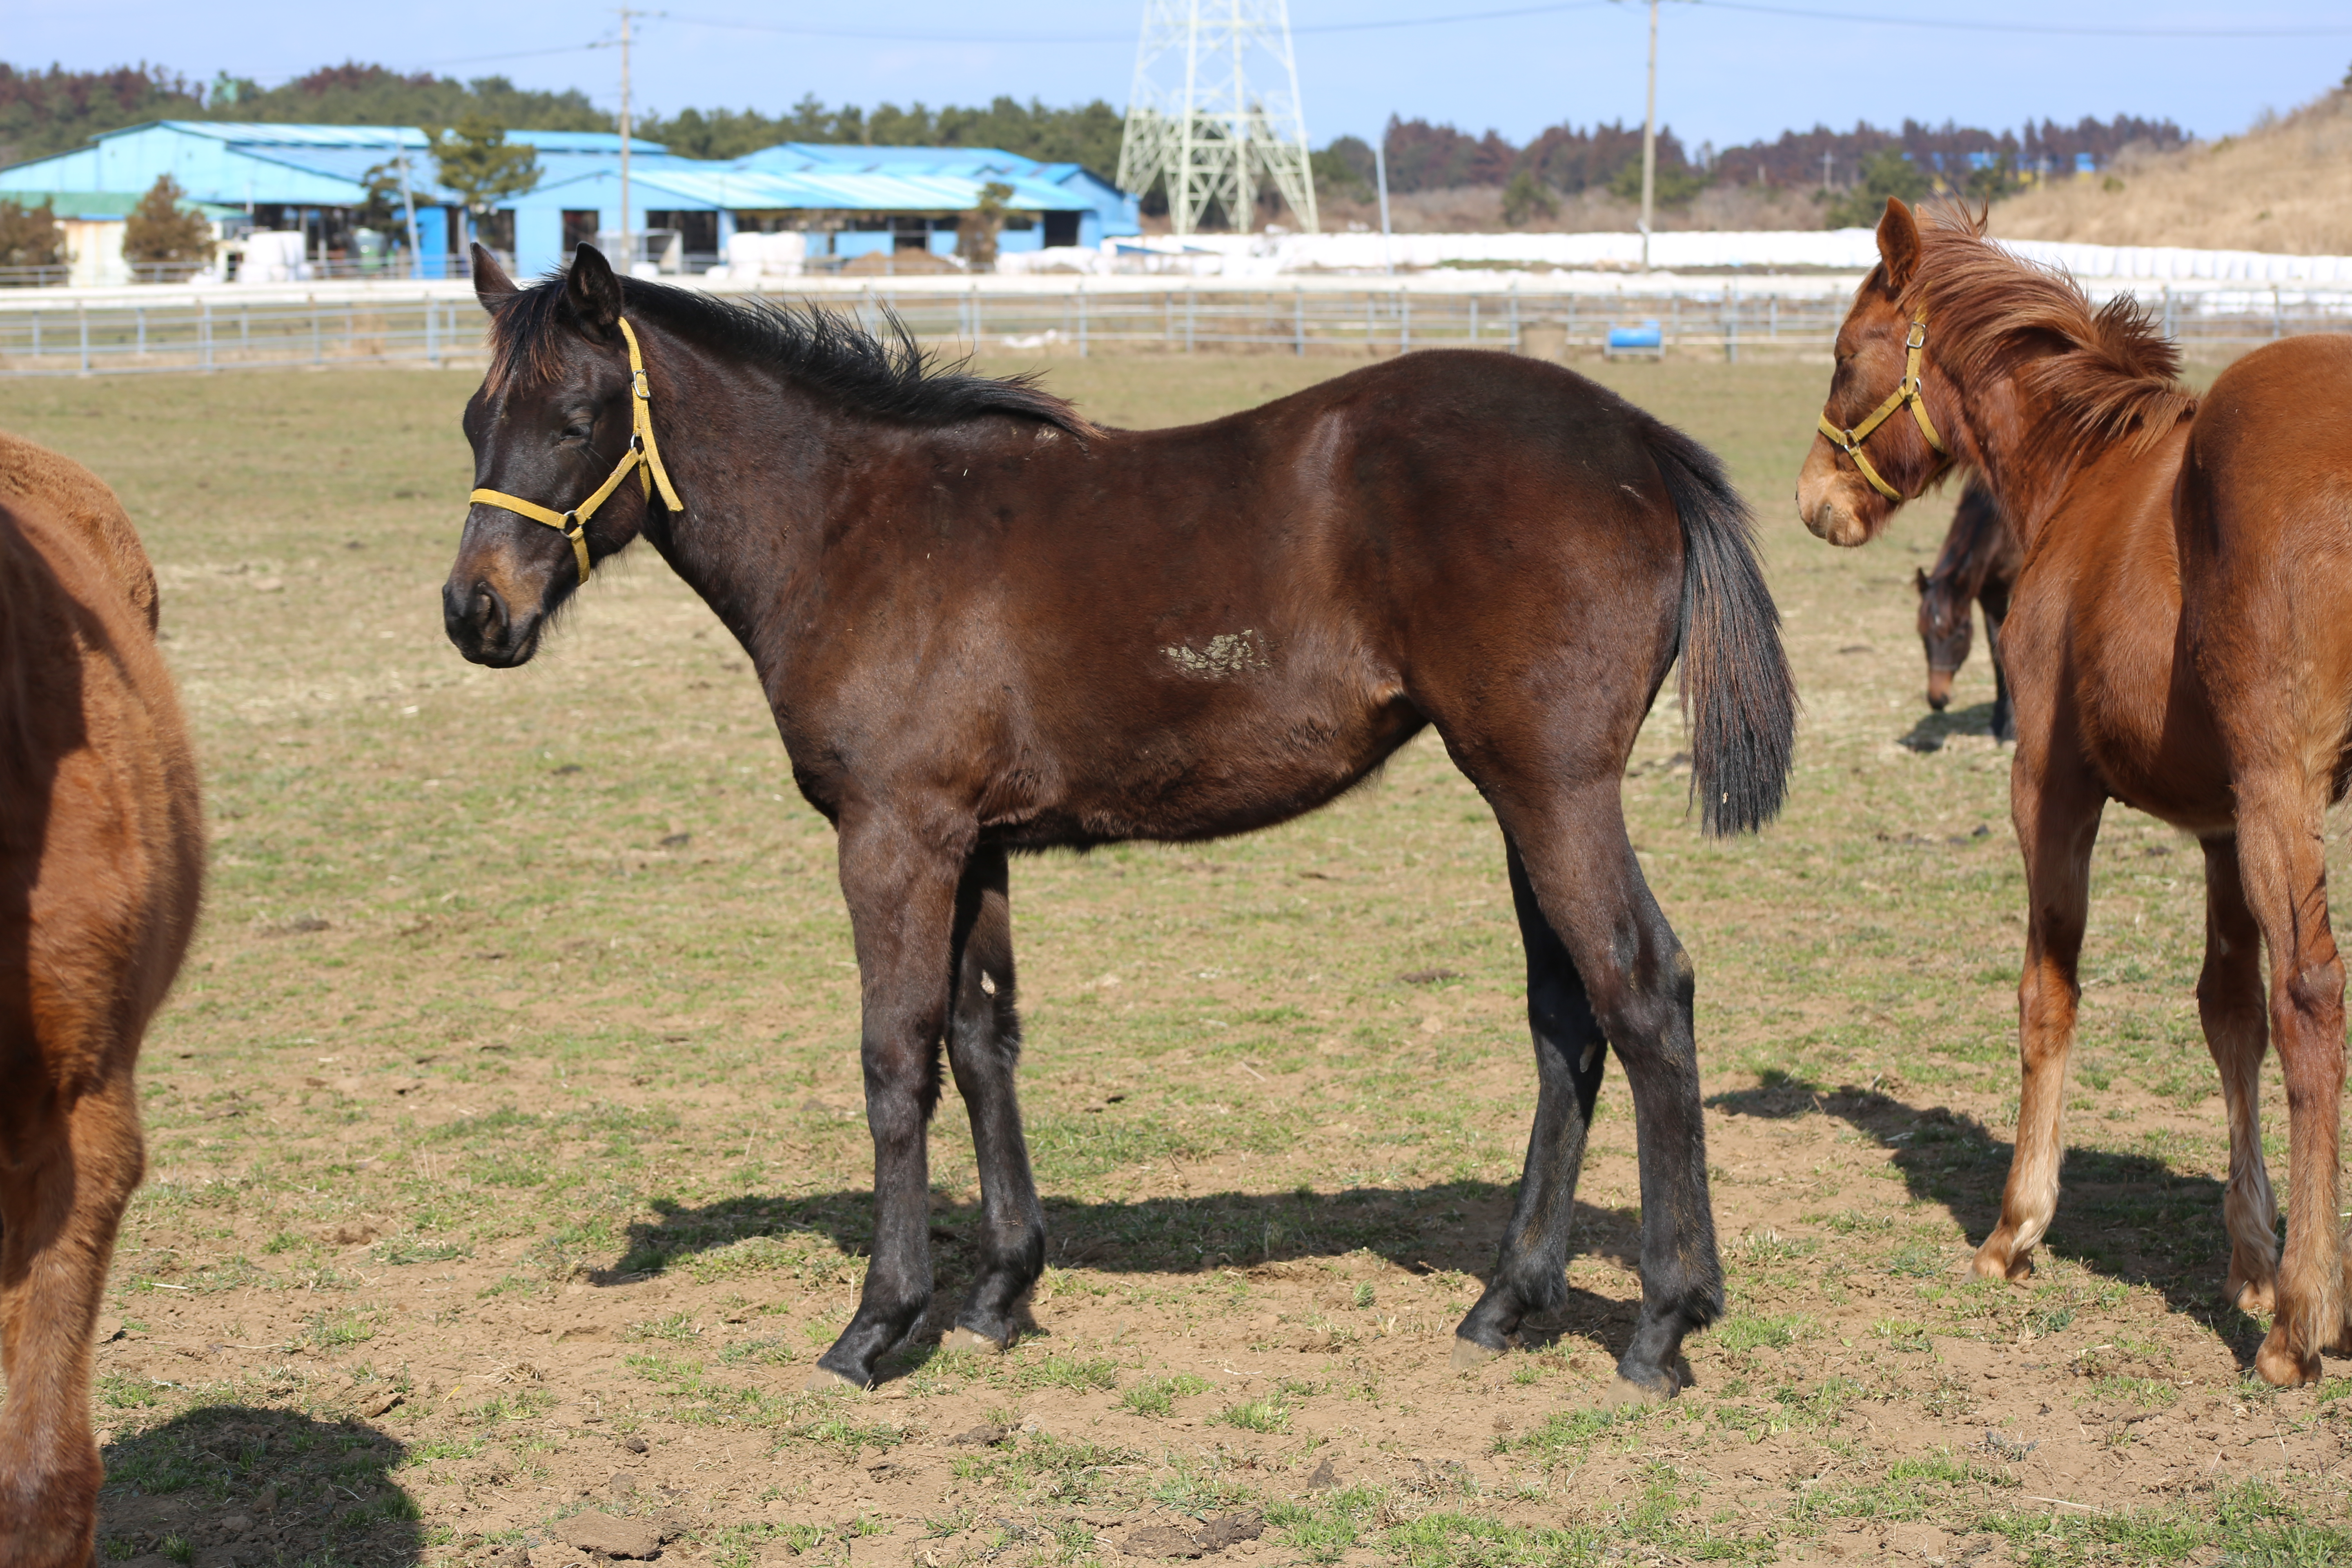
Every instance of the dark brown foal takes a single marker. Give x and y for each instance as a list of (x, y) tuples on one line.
[(1978, 564), (986, 625)]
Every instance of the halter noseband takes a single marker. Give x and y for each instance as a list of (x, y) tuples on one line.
[(644, 454), (1906, 390)]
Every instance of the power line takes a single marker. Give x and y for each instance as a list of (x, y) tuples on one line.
[(2037, 30)]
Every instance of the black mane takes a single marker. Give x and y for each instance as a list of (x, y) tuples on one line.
[(890, 377)]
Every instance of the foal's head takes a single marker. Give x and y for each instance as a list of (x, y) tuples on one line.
[(549, 423), (1947, 630), (1881, 454)]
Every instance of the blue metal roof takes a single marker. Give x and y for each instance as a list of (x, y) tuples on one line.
[(710, 188)]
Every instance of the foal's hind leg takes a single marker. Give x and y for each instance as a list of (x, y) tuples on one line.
[(983, 1049), (2283, 860), (68, 1171), (2230, 1004), (1589, 890), (1571, 1052)]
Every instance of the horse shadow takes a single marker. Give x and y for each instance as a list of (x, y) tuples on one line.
[(232, 1484), (1445, 1227), (1933, 729), (2124, 1216)]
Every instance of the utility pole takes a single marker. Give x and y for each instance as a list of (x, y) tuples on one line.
[(1380, 168), (408, 204), (1827, 158), (628, 249), (1650, 139)]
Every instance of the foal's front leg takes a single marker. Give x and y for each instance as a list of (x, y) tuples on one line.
[(900, 878)]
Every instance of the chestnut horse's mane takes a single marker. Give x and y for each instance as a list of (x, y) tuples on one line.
[(888, 374), (2115, 377)]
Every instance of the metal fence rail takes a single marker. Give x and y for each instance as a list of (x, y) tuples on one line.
[(221, 333)]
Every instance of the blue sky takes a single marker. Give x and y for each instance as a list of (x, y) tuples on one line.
[(1726, 74)]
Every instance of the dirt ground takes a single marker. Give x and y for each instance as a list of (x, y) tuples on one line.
[(508, 1167)]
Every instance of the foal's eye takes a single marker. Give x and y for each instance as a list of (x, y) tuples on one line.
[(576, 431)]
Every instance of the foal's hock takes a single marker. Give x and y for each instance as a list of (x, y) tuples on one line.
[(985, 625)]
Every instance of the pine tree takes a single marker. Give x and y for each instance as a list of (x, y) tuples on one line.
[(159, 229)]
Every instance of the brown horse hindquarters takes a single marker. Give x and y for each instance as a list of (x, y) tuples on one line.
[(101, 860), (2265, 525)]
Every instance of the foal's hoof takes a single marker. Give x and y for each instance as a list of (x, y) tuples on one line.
[(825, 1380), (1469, 1354), (2255, 1298), (1624, 1392), (2280, 1366), (1993, 1262), (962, 1341)]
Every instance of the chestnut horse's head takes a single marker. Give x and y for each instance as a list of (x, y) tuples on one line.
[(556, 429), (1947, 630), (1878, 444)]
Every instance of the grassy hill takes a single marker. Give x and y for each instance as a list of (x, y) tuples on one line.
[(2286, 186)]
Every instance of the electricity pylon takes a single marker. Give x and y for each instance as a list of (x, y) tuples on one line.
[(1199, 119)]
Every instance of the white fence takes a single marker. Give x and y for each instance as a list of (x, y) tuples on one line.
[(123, 331)]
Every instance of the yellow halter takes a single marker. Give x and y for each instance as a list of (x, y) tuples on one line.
[(1906, 390), (644, 454)]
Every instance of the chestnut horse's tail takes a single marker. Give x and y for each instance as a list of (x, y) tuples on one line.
[(1738, 694)]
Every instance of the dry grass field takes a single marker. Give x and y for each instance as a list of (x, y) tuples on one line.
[(2285, 185), (508, 1169)]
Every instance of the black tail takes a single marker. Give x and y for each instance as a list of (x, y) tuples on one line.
[(1738, 694)]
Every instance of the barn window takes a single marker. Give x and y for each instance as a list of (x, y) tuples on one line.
[(1061, 228)]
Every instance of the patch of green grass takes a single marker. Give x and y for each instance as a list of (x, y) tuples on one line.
[(1747, 1332), (1270, 1413), (1158, 1395)]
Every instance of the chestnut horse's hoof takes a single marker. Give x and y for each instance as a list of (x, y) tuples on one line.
[(825, 1380), (1994, 1261), (1469, 1354), (962, 1341), (2282, 1367), (1624, 1393)]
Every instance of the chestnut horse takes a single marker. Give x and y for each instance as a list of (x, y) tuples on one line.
[(101, 859), (2180, 639), (1976, 565), (986, 625)]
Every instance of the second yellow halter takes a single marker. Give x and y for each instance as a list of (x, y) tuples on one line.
[(1906, 390), (644, 456)]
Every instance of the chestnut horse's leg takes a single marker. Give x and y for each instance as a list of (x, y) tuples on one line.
[(2283, 859), (70, 1170), (1571, 1053), (2055, 803), (1638, 981), (2229, 1002), (900, 877), (983, 1049)]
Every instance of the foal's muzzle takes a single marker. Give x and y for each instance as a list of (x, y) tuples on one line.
[(486, 628)]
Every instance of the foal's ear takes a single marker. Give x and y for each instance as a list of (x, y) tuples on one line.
[(592, 292), (1919, 580), (1898, 244), (492, 287)]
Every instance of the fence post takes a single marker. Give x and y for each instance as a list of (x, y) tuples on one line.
[(37, 331), (1190, 299), (1298, 320), (2169, 330), (81, 322), (204, 333), (140, 313), (1404, 321), (432, 347), (1514, 315), (2277, 327), (1082, 318), (318, 338)]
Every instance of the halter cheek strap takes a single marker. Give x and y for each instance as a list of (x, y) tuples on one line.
[(644, 456), (1906, 390)]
